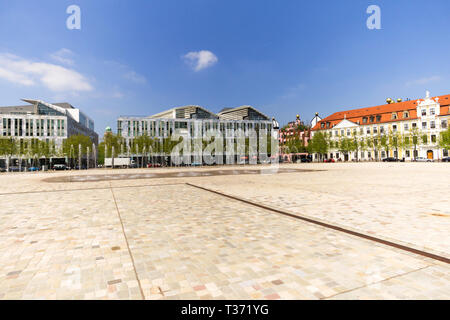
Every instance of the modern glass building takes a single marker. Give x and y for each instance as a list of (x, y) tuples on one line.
[(45, 121), (194, 121)]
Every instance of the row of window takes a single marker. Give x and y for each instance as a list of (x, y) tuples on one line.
[(394, 116), (424, 139), (374, 130), (33, 127), (408, 154), (153, 128)]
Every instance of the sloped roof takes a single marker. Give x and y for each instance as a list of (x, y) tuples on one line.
[(384, 111), (228, 110)]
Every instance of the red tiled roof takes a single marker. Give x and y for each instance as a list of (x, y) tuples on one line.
[(385, 111)]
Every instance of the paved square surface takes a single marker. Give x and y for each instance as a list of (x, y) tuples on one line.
[(135, 237)]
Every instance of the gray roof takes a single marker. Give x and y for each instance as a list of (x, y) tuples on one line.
[(22, 109), (64, 105)]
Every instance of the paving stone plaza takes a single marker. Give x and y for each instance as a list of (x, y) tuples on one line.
[(156, 234)]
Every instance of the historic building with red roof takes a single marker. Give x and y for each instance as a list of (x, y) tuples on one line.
[(389, 130)]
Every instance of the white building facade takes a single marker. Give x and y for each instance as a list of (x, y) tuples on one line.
[(45, 121), (403, 130)]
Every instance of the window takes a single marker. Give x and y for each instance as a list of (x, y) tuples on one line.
[(365, 120), (336, 133), (425, 139), (394, 116), (424, 125), (407, 154), (375, 130), (119, 127), (322, 125), (368, 131), (378, 118), (444, 124), (406, 127), (414, 125), (342, 132), (362, 154), (433, 138), (432, 111), (405, 114), (348, 132), (445, 153), (424, 112), (432, 124), (328, 124), (381, 129), (394, 127), (372, 118)]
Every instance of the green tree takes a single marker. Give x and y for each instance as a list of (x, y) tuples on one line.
[(384, 144), (110, 140), (319, 144), (71, 147), (415, 136), (8, 148), (346, 145), (405, 142), (444, 139), (394, 141)]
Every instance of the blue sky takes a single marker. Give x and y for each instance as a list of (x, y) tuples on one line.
[(282, 57)]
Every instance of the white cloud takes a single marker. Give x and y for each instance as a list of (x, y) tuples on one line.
[(135, 77), (29, 73), (423, 81), (199, 60), (63, 56)]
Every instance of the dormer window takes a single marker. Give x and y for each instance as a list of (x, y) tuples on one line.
[(328, 124), (394, 116), (372, 118), (365, 120), (322, 125), (378, 118), (405, 114)]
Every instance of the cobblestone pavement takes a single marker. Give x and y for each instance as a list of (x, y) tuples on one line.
[(407, 203), (162, 239)]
